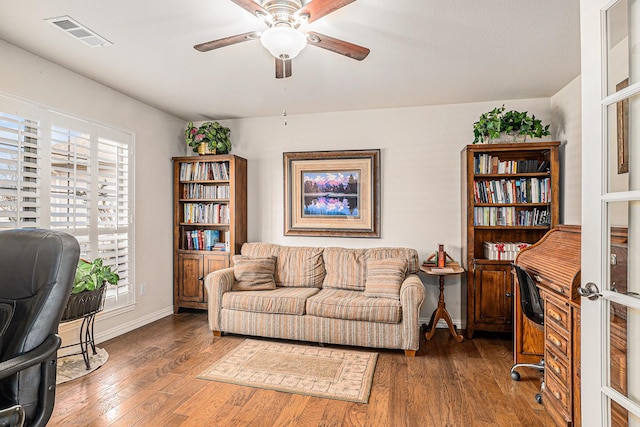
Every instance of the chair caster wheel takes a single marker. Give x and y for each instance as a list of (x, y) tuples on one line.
[(539, 397), (515, 375)]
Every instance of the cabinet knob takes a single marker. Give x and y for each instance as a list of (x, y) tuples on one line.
[(508, 294), (200, 278)]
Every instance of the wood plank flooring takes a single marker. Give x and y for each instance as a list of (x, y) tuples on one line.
[(150, 380)]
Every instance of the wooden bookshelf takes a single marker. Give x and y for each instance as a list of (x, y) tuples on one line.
[(499, 205), (209, 221)]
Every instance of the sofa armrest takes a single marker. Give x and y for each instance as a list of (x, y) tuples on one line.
[(411, 298), (217, 283)]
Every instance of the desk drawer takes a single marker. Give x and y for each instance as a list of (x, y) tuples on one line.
[(557, 312), (558, 342), (559, 392), (558, 365)]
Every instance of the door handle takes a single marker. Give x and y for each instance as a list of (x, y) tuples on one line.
[(590, 291)]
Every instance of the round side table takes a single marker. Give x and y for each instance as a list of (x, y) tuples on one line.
[(441, 312)]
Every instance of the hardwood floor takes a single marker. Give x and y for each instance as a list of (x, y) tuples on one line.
[(150, 380)]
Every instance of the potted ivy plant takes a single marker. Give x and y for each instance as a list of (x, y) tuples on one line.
[(89, 287), (509, 126), (208, 138)]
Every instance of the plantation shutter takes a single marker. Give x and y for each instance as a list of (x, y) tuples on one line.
[(20, 180), (114, 204), (61, 172)]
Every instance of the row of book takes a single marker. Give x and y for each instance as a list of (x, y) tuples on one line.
[(523, 190), (510, 217), (205, 191), (488, 164), (503, 250), (206, 213), (206, 240), (204, 171)]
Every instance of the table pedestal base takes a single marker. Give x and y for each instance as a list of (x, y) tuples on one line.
[(440, 313)]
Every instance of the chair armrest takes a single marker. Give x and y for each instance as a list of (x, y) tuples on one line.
[(31, 358), (411, 298), (217, 283)]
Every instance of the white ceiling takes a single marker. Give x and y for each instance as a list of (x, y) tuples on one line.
[(423, 52)]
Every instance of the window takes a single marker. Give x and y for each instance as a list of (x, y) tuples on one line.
[(64, 173)]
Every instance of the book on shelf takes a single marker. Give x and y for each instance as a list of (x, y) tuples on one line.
[(522, 190), (204, 171), (202, 240), (205, 191), (206, 213), (488, 164), (510, 216)]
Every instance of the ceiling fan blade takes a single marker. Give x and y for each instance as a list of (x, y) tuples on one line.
[(283, 68), (316, 9), (252, 7), (238, 38), (338, 46)]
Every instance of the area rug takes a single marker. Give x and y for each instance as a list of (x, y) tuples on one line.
[(310, 370), (72, 367)]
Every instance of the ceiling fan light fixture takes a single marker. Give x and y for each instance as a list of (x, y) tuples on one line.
[(283, 42)]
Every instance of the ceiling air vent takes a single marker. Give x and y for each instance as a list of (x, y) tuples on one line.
[(79, 31)]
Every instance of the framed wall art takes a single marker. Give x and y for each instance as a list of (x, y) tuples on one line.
[(332, 193)]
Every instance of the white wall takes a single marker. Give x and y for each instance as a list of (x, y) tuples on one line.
[(420, 170), (158, 137), (420, 174), (566, 126)]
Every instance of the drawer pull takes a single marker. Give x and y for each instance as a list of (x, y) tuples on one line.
[(555, 341), (555, 316)]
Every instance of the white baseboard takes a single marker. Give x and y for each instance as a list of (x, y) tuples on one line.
[(442, 324), (70, 331)]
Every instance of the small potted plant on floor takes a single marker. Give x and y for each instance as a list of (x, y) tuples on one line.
[(208, 138), (89, 287), (511, 126)]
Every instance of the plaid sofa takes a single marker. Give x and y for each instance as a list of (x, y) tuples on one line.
[(359, 297)]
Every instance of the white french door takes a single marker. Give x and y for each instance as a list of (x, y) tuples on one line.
[(610, 365)]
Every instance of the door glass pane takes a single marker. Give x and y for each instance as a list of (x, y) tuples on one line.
[(624, 244), (620, 417), (624, 321), (623, 141), (620, 45), (624, 333)]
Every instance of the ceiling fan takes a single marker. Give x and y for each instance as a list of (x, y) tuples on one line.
[(284, 39)]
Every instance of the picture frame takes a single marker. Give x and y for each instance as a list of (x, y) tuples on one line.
[(332, 193), (622, 116)]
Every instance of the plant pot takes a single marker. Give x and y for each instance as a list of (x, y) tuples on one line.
[(203, 149), (84, 303), (508, 138)]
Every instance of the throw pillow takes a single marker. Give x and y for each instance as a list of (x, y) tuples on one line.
[(253, 273), (384, 277)]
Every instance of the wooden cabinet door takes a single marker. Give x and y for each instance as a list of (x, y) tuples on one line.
[(214, 262), (191, 278), (493, 293)]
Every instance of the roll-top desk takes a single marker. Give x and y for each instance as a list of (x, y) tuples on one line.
[(554, 263)]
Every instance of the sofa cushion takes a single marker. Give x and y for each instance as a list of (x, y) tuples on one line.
[(253, 273), (300, 267), (279, 300), (411, 255), (384, 277), (353, 305), (346, 268), (262, 249)]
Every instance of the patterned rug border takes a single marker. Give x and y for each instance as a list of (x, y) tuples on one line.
[(362, 397)]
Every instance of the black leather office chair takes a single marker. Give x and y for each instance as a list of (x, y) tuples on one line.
[(532, 307), (37, 268)]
